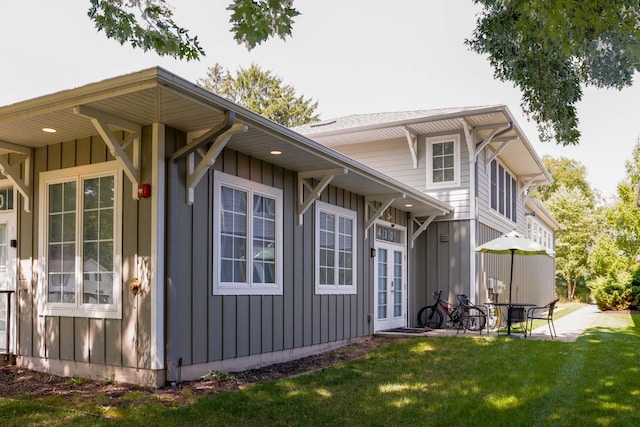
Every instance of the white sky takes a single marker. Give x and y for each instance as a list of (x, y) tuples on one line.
[(355, 56)]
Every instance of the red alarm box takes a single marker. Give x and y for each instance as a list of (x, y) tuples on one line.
[(144, 191)]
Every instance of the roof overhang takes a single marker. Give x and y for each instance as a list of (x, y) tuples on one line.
[(157, 96), (512, 146), (537, 209)]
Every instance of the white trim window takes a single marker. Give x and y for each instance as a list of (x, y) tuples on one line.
[(504, 191), (538, 232), (247, 255), (81, 241), (335, 230), (443, 161)]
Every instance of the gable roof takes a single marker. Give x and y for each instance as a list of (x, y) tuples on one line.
[(519, 155), (157, 96)]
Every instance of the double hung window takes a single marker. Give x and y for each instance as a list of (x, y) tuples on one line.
[(443, 161), (80, 242), (247, 237), (335, 249)]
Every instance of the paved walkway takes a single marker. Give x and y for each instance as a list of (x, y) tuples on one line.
[(571, 326), (568, 327)]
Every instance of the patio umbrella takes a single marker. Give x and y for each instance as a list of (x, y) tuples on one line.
[(512, 243)]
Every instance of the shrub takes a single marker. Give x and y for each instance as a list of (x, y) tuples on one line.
[(618, 291)]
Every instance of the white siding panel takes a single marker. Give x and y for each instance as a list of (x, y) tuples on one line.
[(391, 157)]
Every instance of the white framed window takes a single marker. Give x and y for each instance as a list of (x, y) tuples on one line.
[(81, 241), (443, 161), (247, 227), (537, 232), (504, 191), (335, 245)]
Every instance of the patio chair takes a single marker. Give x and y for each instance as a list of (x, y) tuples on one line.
[(472, 317), (543, 313), (518, 319)]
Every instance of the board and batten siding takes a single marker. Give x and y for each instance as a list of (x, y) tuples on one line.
[(533, 276), (228, 332), (91, 347), (393, 158), (440, 261)]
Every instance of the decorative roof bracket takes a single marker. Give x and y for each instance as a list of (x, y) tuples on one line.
[(412, 140), (497, 152), (386, 201), (468, 137), (529, 183), (421, 227), (101, 122), (12, 170), (304, 180), (490, 137), (208, 158), (207, 137)]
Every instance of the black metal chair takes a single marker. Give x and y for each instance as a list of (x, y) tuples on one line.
[(543, 313), (518, 319), (472, 317)]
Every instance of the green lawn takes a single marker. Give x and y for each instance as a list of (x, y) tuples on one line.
[(442, 381)]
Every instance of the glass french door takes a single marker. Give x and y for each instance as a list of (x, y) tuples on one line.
[(390, 286)]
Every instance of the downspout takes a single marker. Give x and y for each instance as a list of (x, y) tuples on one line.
[(473, 191), (473, 205)]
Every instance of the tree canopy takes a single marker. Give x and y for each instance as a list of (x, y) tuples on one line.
[(574, 211), (149, 24), (568, 172), (548, 49), (263, 93)]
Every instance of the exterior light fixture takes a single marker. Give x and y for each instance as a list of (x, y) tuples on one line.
[(275, 152), (49, 130)]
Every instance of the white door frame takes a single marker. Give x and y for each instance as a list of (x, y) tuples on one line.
[(397, 245), (10, 218)]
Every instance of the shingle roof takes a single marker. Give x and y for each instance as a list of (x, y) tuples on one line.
[(359, 120)]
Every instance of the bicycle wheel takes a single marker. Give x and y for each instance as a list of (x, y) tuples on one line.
[(429, 317), (474, 319)]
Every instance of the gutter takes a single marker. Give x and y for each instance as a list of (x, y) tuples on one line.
[(170, 81), (415, 120)]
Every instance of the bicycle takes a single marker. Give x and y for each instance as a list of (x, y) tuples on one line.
[(432, 316), (463, 315)]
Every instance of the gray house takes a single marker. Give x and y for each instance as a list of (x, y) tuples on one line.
[(151, 231), (476, 159)]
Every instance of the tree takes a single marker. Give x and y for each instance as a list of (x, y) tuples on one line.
[(623, 216), (568, 172), (149, 24), (574, 211), (549, 49), (263, 93), (616, 285)]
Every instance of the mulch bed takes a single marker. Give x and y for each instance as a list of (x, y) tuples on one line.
[(19, 383)]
